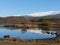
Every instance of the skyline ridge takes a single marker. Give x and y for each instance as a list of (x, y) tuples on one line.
[(36, 14)]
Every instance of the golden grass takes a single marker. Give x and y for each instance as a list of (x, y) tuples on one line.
[(55, 41), (26, 43)]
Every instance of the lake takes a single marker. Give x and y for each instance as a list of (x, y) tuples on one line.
[(24, 34)]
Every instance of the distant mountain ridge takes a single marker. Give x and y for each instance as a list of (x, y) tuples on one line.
[(47, 13), (27, 18), (52, 16)]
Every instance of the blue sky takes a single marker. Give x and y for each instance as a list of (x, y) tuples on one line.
[(18, 7)]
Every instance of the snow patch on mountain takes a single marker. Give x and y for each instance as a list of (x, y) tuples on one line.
[(44, 13)]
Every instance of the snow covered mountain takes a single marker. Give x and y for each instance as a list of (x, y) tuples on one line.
[(49, 13)]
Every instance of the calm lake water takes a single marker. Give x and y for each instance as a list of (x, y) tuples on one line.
[(27, 34)]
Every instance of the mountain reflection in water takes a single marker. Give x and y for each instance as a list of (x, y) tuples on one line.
[(24, 34)]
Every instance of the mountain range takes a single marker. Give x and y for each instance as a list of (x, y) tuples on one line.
[(44, 13), (48, 14), (34, 16)]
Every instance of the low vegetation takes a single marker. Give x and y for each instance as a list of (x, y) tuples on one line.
[(53, 41)]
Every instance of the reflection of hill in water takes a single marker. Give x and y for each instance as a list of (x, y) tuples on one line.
[(25, 34), (43, 41)]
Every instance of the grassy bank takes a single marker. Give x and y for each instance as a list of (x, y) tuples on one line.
[(26, 43), (54, 41)]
